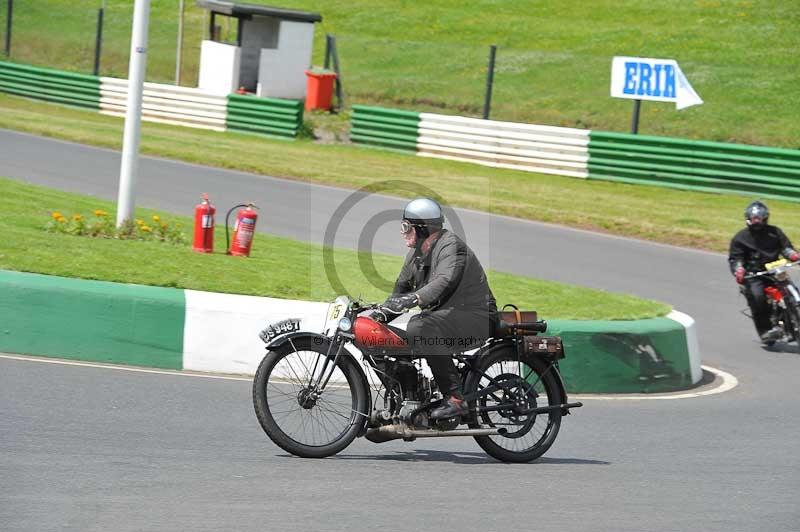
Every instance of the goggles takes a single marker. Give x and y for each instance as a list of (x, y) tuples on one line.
[(406, 227)]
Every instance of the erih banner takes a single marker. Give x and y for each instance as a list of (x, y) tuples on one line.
[(660, 80)]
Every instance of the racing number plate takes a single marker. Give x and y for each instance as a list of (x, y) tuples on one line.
[(775, 264), (279, 328)]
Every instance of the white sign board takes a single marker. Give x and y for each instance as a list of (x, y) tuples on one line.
[(660, 80)]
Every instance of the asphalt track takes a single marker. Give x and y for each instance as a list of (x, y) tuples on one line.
[(88, 448)]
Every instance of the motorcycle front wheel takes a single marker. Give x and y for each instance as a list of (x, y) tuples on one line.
[(294, 414), (792, 323), (528, 383)]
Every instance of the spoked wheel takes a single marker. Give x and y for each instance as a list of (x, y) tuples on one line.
[(299, 415), (523, 385)]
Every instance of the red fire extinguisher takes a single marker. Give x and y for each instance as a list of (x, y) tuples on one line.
[(204, 226), (243, 230)]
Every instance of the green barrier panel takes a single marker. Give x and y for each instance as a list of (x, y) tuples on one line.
[(51, 85), (91, 320), (695, 165), (384, 127), (270, 116), (729, 149), (641, 356), (735, 169), (295, 105), (43, 92)]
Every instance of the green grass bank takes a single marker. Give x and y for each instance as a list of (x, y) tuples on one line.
[(278, 267), (553, 59), (691, 219)]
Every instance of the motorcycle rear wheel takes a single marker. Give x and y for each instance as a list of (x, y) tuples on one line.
[(309, 428), (533, 385)]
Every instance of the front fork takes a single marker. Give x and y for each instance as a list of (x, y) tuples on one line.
[(317, 382)]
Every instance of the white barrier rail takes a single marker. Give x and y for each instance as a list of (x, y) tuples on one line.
[(167, 104), (544, 149)]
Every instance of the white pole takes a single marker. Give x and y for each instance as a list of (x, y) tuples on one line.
[(180, 44), (133, 114)]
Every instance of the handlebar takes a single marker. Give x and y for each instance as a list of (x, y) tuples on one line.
[(771, 271)]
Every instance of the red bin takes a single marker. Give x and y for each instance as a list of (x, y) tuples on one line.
[(319, 89)]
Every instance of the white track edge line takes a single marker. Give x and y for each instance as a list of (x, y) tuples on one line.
[(178, 373), (728, 383)]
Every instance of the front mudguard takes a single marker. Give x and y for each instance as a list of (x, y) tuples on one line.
[(286, 340), (278, 341)]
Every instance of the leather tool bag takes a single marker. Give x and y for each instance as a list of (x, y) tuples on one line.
[(528, 341)]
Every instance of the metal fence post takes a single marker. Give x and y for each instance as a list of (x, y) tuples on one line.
[(179, 53), (637, 104), (338, 82), (487, 101), (9, 13), (327, 63), (98, 42)]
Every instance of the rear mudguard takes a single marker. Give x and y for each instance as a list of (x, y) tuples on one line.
[(320, 339), (509, 344)]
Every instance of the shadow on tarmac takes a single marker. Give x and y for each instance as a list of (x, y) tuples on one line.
[(782, 347), (455, 457)]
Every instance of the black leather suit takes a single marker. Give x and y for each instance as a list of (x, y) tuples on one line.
[(752, 248)]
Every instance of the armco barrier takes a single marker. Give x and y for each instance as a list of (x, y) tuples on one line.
[(202, 331), (385, 127), (269, 116), (695, 165), (168, 104), (51, 85), (662, 161), (543, 149)]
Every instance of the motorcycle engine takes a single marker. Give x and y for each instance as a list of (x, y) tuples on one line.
[(406, 411)]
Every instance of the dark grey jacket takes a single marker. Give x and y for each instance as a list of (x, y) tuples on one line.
[(448, 276)]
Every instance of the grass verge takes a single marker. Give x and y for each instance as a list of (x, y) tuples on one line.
[(684, 218), (279, 267), (553, 58)]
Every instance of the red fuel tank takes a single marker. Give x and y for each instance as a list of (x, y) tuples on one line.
[(373, 335)]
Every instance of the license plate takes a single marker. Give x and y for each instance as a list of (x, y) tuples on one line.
[(279, 328)]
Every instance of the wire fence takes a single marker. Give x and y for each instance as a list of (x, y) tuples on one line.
[(436, 76), (63, 35), (446, 77)]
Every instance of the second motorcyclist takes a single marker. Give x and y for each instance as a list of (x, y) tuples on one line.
[(751, 248)]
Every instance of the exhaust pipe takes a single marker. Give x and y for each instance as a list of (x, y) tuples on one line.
[(395, 432)]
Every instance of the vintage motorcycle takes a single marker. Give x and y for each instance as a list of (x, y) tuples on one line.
[(312, 397), (783, 298)]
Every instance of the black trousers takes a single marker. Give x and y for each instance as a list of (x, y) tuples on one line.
[(436, 335), (757, 301)]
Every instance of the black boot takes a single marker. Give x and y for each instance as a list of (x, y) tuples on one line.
[(455, 405)]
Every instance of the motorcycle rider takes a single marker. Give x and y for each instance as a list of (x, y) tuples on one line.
[(751, 248), (443, 277)]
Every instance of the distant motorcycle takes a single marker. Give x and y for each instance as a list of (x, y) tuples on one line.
[(783, 298), (312, 397)]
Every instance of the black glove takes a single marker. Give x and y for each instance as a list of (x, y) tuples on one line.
[(400, 303), (378, 316)]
